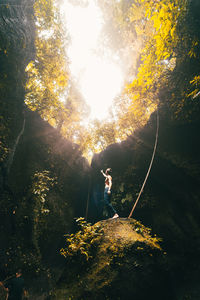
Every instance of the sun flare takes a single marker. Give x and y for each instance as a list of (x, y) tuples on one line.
[(100, 79), (99, 84)]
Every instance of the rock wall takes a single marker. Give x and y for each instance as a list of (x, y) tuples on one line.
[(46, 190), (43, 177), (16, 51)]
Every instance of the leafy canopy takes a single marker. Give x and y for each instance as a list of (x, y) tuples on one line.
[(154, 39)]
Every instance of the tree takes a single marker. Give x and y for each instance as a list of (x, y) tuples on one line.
[(171, 45), (48, 74)]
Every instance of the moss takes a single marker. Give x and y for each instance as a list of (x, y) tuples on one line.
[(125, 249)]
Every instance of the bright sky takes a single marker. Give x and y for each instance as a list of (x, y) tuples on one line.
[(100, 79)]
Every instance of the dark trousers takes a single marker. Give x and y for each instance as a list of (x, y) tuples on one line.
[(109, 207)]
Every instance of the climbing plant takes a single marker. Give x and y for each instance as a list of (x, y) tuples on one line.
[(41, 184)]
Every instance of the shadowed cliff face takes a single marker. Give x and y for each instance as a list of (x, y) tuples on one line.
[(46, 189), (41, 149), (16, 51), (43, 178)]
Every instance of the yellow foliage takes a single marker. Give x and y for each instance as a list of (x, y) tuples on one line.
[(162, 18), (47, 74), (192, 52)]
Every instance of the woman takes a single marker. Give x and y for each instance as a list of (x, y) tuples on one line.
[(108, 193)]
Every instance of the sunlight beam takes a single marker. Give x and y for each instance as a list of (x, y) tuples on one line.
[(100, 79)]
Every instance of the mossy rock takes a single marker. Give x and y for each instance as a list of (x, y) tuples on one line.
[(128, 264)]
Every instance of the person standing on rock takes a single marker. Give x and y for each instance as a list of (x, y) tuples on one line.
[(108, 193)]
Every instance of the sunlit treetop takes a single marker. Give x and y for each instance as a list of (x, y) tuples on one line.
[(110, 58)]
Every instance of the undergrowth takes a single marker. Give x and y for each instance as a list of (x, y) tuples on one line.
[(82, 244)]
